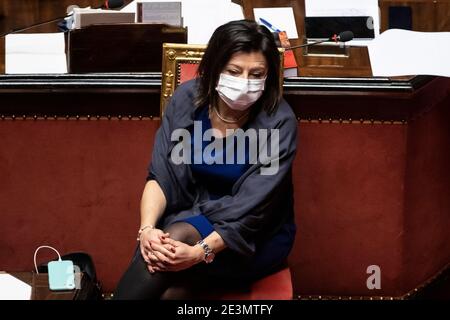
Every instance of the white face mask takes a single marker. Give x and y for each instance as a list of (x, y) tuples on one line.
[(238, 93)]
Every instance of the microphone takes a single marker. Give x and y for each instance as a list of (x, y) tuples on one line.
[(108, 4), (344, 36)]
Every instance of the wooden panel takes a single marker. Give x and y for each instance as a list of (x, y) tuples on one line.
[(427, 15), (93, 49), (443, 16), (357, 64)]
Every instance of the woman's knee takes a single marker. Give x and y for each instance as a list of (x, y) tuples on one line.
[(183, 232)]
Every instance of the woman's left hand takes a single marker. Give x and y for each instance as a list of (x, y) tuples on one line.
[(184, 257)]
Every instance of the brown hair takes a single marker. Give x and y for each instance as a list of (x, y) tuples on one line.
[(228, 39)]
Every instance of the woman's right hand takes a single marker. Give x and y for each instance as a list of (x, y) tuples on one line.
[(148, 237)]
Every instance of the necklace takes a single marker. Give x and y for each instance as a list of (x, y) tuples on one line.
[(229, 120)]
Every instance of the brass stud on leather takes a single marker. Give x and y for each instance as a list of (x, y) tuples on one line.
[(13, 117), (35, 117)]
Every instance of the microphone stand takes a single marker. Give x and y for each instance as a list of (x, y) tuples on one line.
[(35, 25), (341, 37), (307, 44), (49, 21)]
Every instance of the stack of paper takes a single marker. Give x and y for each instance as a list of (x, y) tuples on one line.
[(160, 12), (201, 17), (12, 288), (35, 53), (83, 17)]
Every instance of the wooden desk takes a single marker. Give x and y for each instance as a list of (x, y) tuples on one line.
[(371, 176), (41, 291), (137, 94)]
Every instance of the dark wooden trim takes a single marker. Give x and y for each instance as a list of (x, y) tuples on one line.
[(153, 81), (110, 81), (138, 94), (139, 81)]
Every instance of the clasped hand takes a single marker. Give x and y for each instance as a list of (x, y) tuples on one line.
[(161, 253)]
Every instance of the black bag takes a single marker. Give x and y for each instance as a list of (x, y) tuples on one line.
[(91, 289)]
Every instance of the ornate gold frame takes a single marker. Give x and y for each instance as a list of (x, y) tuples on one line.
[(174, 54)]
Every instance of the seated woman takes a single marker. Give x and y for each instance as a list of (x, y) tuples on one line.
[(218, 203)]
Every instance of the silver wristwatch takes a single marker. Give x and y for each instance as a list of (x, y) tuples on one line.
[(209, 254)]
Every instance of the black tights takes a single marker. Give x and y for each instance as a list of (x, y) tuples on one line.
[(138, 283)]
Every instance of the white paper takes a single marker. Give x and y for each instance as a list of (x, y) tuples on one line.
[(345, 8), (281, 18), (35, 53), (12, 288), (103, 16), (201, 17), (401, 52)]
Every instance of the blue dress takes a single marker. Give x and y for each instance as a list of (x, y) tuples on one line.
[(218, 179)]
